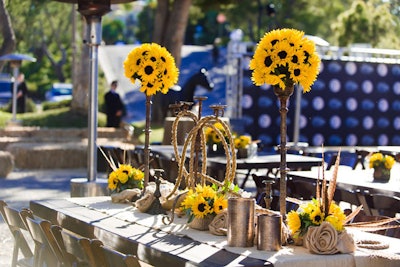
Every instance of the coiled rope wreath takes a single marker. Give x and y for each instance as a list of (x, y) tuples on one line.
[(196, 141)]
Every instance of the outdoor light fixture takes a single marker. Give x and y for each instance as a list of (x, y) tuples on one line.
[(15, 63), (92, 11)]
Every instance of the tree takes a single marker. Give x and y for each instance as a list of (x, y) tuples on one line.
[(367, 22), (171, 20), (9, 42)]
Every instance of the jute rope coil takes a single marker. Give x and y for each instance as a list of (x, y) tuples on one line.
[(191, 141), (372, 244)]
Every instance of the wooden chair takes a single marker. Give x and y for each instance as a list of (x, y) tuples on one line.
[(304, 190), (108, 257), (75, 249), (383, 204), (46, 249), (19, 232), (351, 197)]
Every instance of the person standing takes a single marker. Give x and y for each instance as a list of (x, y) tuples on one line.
[(22, 92), (114, 106)]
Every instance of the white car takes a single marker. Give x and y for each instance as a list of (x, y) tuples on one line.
[(59, 92)]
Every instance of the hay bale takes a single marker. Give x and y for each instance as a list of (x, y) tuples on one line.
[(6, 163)]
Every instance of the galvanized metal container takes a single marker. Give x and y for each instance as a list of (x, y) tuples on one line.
[(241, 222), (269, 231)]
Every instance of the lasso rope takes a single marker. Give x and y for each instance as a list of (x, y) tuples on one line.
[(197, 131)]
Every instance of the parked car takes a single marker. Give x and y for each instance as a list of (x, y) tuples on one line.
[(6, 86), (59, 92)]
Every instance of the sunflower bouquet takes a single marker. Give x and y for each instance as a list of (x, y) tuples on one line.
[(283, 58), (125, 177), (203, 201), (310, 214), (153, 66), (212, 136), (320, 223), (378, 160), (242, 141)]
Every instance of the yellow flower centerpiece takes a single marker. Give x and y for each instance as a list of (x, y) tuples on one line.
[(382, 164), (154, 67), (242, 141), (204, 202), (319, 223), (310, 214), (244, 146), (125, 177), (283, 58), (214, 137)]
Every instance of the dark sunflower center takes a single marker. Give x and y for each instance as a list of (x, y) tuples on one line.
[(296, 72), (153, 59), (202, 207), (295, 59), (282, 54), (138, 62), (148, 70), (307, 55), (317, 218), (268, 61)]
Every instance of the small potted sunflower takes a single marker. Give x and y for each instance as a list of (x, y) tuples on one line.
[(382, 164), (125, 182), (202, 204)]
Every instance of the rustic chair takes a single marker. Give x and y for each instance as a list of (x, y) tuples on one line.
[(75, 249), (46, 249), (108, 257), (19, 231), (383, 204)]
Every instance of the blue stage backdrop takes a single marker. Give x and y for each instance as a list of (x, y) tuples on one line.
[(350, 104)]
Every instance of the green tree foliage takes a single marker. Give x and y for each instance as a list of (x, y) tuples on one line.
[(113, 31), (368, 22), (43, 29)]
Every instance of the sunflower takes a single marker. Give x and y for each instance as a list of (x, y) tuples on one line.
[(154, 66), (137, 174), (112, 181), (220, 203), (283, 58), (293, 221), (200, 207), (242, 141), (123, 173), (212, 135), (379, 160), (317, 217), (203, 200), (125, 177), (310, 214)]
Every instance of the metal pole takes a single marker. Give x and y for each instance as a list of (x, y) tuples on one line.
[(94, 39), (15, 89), (296, 131)]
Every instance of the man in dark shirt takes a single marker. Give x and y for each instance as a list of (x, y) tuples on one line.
[(114, 106)]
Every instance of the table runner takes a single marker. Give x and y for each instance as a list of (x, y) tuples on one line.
[(292, 256)]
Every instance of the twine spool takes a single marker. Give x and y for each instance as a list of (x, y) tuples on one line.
[(241, 227)]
